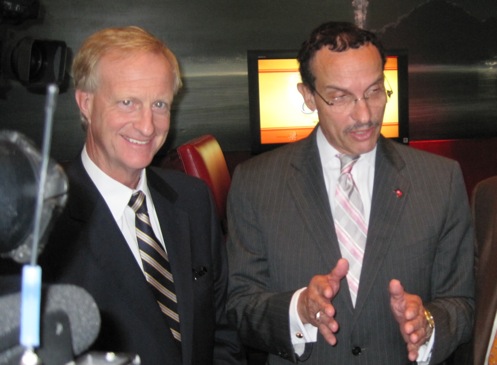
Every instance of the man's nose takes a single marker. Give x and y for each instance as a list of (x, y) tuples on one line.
[(146, 122), (361, 112)]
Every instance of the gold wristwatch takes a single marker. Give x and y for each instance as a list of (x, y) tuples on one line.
[(431, 323)]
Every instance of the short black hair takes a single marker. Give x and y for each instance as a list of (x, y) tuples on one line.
[(338, 37)]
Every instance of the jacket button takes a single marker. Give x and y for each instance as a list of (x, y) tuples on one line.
[(356, 351)]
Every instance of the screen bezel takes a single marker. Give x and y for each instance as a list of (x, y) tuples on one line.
[(253, 56)]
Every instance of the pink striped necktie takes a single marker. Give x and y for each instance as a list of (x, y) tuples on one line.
[(350, 224)]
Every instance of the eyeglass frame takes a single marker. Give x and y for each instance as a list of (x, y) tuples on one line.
[(389, 93)]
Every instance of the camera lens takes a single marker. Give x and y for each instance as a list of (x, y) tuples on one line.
[(35, 63), (27, 60)]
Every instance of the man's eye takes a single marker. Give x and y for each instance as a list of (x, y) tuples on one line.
[(160, 105), (341, 99), (375, 90), (126, 102)]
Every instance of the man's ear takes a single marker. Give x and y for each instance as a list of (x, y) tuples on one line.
[(85, 102), (308, 96)]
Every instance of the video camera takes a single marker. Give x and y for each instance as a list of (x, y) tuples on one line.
[(34, 63)]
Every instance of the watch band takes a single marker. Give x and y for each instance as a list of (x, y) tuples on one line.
[(431, 323)]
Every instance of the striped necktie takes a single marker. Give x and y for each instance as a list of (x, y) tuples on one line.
[(350, 224), (155, 264)]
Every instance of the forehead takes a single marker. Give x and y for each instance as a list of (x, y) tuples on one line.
[(363, 64), (141, 75), (137, 65)]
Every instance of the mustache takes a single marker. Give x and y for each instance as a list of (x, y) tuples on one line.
[(359, 126)]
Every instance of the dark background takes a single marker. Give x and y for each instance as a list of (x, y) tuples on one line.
[(451, 46)]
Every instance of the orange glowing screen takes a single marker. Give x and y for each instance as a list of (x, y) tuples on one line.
[(283, 116)]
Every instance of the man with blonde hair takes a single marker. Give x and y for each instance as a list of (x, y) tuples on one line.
[(144, 242)]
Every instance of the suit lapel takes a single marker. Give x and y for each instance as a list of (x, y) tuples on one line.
[(174, 224), (306, 183), (117, 261), (388, 203), (106, 242), (390, 186), (111, 251)]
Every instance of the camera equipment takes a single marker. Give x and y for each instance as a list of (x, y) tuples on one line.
[(34, 63), (40, 324), (19, 179), (16, 11)]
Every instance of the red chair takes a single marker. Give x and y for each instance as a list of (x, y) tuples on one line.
[(202, 157)]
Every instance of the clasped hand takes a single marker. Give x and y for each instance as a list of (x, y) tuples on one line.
[(315, 306)]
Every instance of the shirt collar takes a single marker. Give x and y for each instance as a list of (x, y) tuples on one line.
[(115, 194), (328, 153)]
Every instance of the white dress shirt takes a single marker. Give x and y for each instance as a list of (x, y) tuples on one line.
[(363, 175), (117, 196)]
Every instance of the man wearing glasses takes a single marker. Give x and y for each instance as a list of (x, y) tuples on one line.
[(346, 247)]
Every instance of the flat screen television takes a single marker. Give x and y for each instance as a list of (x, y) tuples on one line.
[(277, 112)]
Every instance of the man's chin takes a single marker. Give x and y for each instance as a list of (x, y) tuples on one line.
[(137, 165)]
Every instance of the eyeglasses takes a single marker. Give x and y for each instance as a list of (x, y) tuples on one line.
[(374, 97)]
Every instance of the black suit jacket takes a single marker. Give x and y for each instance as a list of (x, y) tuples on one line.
[(281, 234), (86, 248)]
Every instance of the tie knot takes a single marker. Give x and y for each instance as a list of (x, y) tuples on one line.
[(346, 162), (137, 201)]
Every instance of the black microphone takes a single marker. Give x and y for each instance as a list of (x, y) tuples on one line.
[(70, 324)]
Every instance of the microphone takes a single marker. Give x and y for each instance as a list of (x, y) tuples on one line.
[(19, 177), (70, 324), (69, 318)]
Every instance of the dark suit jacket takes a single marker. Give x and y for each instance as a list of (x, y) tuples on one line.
[(86, 248), (282, 234), (485, 218)]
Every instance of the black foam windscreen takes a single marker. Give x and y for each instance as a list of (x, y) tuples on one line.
[(72, 301)]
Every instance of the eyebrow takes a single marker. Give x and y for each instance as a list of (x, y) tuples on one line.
[(336, 88)]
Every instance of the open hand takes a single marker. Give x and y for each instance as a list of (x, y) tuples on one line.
[(315, 302)]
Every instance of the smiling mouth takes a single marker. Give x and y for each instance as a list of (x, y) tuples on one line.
[(135, 141)]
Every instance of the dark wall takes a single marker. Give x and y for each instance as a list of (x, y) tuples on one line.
[(210, 39)]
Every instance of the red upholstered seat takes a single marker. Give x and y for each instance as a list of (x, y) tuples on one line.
[(202, 157)]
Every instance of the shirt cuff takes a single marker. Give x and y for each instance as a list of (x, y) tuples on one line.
[(424, 353), (300, 333)]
